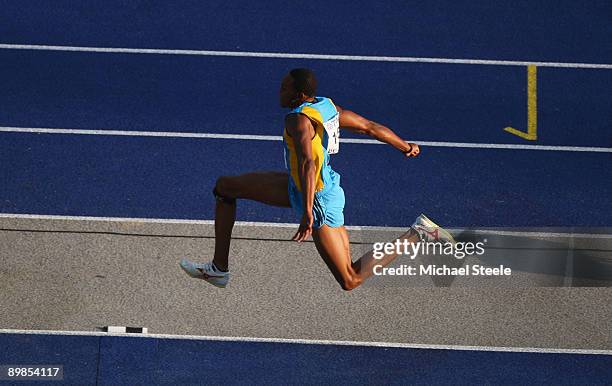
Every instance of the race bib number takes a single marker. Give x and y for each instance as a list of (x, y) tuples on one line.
[(332, 127)]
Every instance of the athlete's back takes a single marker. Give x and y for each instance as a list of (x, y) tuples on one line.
[(324, 117)]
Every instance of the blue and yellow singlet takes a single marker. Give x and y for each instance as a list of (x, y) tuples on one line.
[(325, 119)]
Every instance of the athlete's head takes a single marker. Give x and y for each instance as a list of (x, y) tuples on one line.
[(298, 85)]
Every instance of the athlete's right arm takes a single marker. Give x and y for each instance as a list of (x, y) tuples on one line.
[(360, 125), (301, 130)]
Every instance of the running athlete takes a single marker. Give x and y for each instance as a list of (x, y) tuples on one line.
[(310, 186)]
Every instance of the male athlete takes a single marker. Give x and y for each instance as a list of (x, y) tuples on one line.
[(310, 186)]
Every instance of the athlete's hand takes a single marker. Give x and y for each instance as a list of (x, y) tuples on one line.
[(413, 151), (305, 229)]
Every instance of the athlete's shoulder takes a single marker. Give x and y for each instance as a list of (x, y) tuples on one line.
[(319, 110), (296, 120), (325, 99), (329, 102)]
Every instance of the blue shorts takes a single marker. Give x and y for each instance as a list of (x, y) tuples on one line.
[(327, 208)]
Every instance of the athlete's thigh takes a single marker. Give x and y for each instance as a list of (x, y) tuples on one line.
[(332, 244), (268, 187), (345, 240)]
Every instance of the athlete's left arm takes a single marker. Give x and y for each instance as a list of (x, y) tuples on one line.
[(360, 125)]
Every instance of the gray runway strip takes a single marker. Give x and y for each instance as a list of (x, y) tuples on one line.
[(78, 275)]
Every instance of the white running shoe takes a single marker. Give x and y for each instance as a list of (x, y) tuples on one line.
[(429, 231), (206, 271)]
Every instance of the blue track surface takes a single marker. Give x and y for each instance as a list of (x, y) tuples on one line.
[(73, 175), (564, 31), (173, 178), (428, 102), (140, 177), (147, 361)]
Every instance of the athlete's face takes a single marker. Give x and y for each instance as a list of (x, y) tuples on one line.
[(288, 95)]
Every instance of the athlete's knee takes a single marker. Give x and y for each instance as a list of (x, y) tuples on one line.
[(223, 185), (350, 282), (223, 190)]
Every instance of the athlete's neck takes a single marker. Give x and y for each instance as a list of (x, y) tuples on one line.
[(309, 100), (298, 103)]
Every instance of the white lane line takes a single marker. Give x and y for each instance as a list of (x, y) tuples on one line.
[(284, 55), (40, 130), (174, 221), (127, 133), (316, 342), (295, 225)]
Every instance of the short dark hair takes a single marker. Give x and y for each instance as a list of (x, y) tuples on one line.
[(304, 80)]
